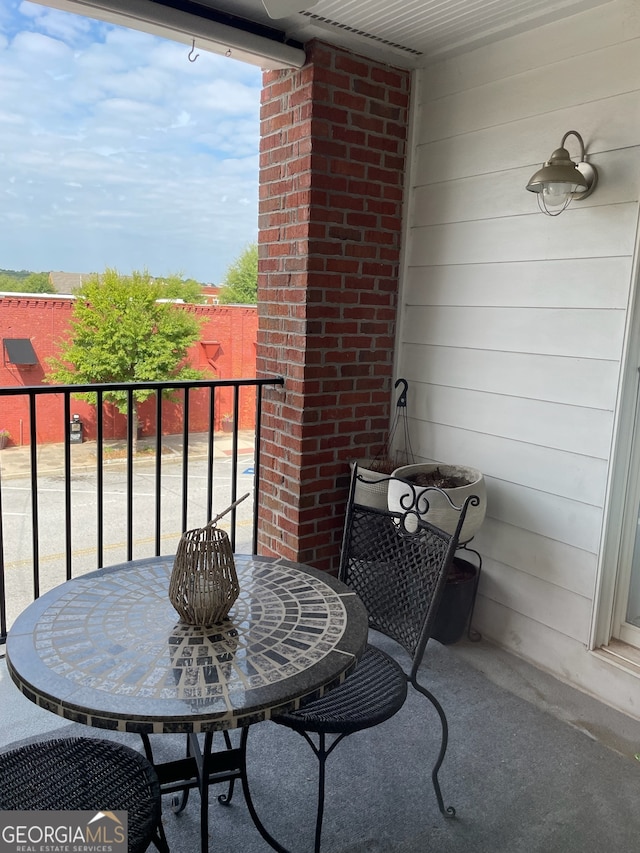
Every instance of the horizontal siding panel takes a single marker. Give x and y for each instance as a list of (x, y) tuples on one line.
[(582, 283), (573, 381), (555, 652), (546, 559), (557, 608), (529, 638), (573, 523), (560, 427), (513, 323), (551, 472), (502, 194), (580, 233), (574, 36), (607, 126), (578, 333), (548, 88)]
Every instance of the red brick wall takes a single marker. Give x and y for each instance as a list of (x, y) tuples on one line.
[(331, 190), (227, 350)]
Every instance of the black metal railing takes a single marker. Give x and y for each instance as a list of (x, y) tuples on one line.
[(141, 502)]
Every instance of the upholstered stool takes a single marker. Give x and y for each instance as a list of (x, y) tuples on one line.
[(77, 774)]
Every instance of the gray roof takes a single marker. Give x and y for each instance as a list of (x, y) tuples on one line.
[(68, 282)]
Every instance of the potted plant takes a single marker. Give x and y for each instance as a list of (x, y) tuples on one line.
[(5, 435), (458, 481), (372, 486), (226, 422)]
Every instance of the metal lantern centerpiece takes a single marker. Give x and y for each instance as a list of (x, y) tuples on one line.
[(204, 584)]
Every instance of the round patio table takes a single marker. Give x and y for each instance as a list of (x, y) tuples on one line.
[(107, 649)]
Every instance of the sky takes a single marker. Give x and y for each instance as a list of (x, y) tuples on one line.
[(117, 151)]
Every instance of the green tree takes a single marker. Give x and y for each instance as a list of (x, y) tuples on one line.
[(122, 333), (38, 282), (9, 283), (176, 287), (25, 282), (240, 283)]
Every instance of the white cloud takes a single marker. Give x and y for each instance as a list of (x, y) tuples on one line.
[(121, 152)]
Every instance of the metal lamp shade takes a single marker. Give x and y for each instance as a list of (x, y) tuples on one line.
[(560, 179), (559, 169)]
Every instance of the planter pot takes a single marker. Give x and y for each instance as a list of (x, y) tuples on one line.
[(3, 441), (440, 514), (227, 426), (456, 603), (372, 492)]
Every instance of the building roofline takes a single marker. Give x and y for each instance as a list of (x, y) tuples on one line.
[(6, 293)]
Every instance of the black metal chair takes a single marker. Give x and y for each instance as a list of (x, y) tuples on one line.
[(397, 563), (78, 774)]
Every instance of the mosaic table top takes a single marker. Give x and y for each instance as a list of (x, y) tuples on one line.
[(107, 649)]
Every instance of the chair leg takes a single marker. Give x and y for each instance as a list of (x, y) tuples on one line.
[(321, 754), (160, 840), (447, 811)]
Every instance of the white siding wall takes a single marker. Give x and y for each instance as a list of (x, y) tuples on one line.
[(513, 323)]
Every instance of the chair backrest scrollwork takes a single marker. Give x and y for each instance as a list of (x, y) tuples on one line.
[(397, 562)]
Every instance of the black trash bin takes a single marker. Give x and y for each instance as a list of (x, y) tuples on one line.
[(75, 430)]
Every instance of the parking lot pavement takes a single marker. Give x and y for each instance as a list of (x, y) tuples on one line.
[(16, 461)]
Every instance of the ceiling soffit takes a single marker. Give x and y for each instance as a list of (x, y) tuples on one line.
[(406, 33)]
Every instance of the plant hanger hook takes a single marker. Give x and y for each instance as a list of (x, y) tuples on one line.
[(402, 399)]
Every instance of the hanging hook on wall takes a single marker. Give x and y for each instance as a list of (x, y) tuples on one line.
[(402, 399), (398, 447), (193, 47)]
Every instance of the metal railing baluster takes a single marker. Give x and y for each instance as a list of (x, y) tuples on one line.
[(100, 480), (185, 459), (212, 415), (69, 508), (130, 428), (35, 541), (256, 468), (234, 465), (68, 546), (158, 481)]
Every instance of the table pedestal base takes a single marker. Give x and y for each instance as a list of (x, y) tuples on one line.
[(202, 767)]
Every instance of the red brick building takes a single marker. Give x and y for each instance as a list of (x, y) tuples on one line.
[(226, 350)]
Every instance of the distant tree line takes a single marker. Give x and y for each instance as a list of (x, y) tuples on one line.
[(169, 287), (24, 281), (239, 286)]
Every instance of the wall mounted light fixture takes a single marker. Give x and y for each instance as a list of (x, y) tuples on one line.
[(560, 180)]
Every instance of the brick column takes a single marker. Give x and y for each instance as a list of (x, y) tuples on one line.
[(331, 185)]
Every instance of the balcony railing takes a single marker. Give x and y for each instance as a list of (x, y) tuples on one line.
[(102, 502)]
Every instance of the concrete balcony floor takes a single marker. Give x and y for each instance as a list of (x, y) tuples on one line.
[(533, 766)]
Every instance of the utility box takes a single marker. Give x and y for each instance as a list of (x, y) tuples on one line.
[(76, 428)]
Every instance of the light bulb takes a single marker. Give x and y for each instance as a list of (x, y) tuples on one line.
[(556, 194)]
